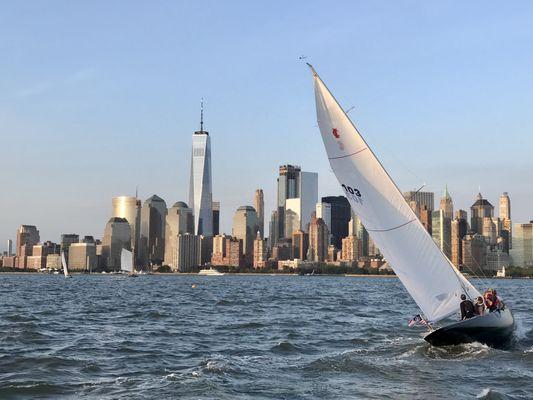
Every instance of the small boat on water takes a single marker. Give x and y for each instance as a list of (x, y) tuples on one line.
[(210, 272), (126, 263), (433, 282), (64, 264)]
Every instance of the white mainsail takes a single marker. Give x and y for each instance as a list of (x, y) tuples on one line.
[(429, 277), (64, 264), (126, 261)]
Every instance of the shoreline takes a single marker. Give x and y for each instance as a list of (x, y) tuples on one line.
[(246, 274)]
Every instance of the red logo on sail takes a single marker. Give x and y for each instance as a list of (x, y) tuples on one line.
[(335, 133)]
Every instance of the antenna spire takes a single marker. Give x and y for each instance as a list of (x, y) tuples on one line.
[(202, 115)]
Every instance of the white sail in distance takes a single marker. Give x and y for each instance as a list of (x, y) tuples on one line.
[(64, 264), (429, 277), (126, 261)]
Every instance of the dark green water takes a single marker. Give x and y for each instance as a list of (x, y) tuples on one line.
[(242, 337)]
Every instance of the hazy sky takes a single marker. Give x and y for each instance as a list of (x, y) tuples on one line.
[(98, 97)]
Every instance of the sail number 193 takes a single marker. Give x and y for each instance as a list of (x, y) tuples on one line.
[(352, 193)]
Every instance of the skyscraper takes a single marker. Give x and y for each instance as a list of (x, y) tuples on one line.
[(522, 251), (152, 237), (259, 205), (323, 210), (260, 253), (27, 237), (479, 210), (341, 213), (82, 256), (245, 228), (117, 236), (216, 217), (288, 183), (200, 189), (421, 198), (318, 240), (441, 231), (459, 228), (179, 221), (300, 245), (505, 206), (129, 208), (505, 216), (273, 229), (446, 204), (9, 247)]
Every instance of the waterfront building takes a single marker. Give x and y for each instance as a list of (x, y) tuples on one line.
[(293, 213), (205, 250), (183, 255), (496, 260), (227, 251), (341, 213), (200, 186), (178, 221), (300, 245), (216, 217), (260, 252), (479, 210), (318, 240), (459, 228), (474, 253), (421, 199), (245, 227), (117, 236), (66, 240), (522, 251), (9, 247), (129, 208), (259, 205), (152, 237), (351, 248), (27, 237), (446, 204), (82, 257), (35, 262), (441, 231), (53, 261)]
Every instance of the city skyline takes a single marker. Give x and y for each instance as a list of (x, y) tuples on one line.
[(96, 125)]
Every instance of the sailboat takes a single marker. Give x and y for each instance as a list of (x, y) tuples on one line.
[(126, 262), (64, 263), (433, 282)]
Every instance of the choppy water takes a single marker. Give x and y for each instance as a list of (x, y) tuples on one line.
[(240, 337)]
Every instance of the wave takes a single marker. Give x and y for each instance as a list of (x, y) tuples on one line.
[(490, 394)]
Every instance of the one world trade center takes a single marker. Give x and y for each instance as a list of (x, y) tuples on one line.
[(200, 187)]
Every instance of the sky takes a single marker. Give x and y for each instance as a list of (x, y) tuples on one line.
[(97, 98)]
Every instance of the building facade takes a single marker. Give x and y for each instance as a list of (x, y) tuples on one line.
[(259, 205), (318, 240), (117, 236), (245, 228), (522, 251), (153, 226), (341, 213), (201, 183), (129, 208)]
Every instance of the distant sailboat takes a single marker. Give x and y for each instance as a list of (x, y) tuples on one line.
[(126, 262), (64, 263), (430, 278)]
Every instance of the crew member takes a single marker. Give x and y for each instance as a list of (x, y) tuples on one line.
[(467, 308)]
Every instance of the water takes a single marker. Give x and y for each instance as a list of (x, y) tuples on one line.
[(241, 337)]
